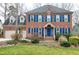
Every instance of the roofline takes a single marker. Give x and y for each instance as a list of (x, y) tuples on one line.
[(28, 12)]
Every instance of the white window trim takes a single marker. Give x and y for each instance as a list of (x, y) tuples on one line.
[(39, 31), (65, 18), (48, 18), (58, 17), (57, 31), (12, 19), (31, 17), (67, 31), (39, 17), (22, 20)]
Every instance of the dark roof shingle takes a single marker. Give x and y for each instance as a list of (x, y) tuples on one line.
[(46, 8)]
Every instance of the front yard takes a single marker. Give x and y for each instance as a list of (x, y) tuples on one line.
[(37, 50)]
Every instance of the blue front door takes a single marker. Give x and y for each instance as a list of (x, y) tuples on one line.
[(49, 31)]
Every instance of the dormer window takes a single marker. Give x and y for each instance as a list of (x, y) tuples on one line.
[(12, 20), (22, 19)]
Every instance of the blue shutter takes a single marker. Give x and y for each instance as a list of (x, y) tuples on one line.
[(68, 18), (60, 30), (37, 30), (28, 30), (63, 18), (25, 20), (55, 18), (55, 30), (42, 31), (18, 19), (63, 30), (35, 18), (46, 19), (68, 30), (28, 18)]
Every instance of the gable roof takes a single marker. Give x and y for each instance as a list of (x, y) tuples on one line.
[(46, 8)]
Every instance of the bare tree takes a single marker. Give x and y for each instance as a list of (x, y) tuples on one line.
[(67, 6), (36, 5)]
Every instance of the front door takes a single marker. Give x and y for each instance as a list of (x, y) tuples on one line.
[(49, 31)]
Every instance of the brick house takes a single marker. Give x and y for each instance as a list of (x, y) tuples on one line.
[(48, 20)]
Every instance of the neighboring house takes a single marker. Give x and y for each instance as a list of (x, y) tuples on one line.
[(48, 20), (1, 30), (75, 30), (44, 21), (10, 27)]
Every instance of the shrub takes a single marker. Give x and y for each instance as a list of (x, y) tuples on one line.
[(23, 41), (74, 40), (57, 36), (62, 39), (67, 36), (35, 41), (12, 42), (16, 36), (65, 44)]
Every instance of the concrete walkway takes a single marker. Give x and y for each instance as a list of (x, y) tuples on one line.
[(4, 39)]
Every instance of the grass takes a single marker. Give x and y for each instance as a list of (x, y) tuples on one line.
[(37, 50)]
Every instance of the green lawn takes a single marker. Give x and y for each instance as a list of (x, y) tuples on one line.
[(36, 50)]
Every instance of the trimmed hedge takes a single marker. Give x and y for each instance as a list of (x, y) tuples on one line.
[(65, 44), (74, 40), (35, 41)]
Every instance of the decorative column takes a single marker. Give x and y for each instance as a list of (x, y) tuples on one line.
[(53, 34), (44, 33)]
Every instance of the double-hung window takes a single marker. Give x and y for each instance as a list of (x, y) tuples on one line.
[(65, 18), (65, 30), (57, 18), (22, 19), (32, 18), (48, 18), (57, 30), (39, 18)]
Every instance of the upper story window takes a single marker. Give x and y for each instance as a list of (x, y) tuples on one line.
[(31, 17), (12, 19), (65, 18), (39, 18), (48, 18), (22, 19), (57, 18)]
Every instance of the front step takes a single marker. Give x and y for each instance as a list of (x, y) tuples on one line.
[(48, 41)]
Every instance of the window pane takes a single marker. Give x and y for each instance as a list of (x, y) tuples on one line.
[(28, 30), (22, 19), (39, 18), (66, 18), (32, 17), (57, 30), (48, 18), (57, 18)]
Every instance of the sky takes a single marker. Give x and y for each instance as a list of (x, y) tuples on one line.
[(29, 6)]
